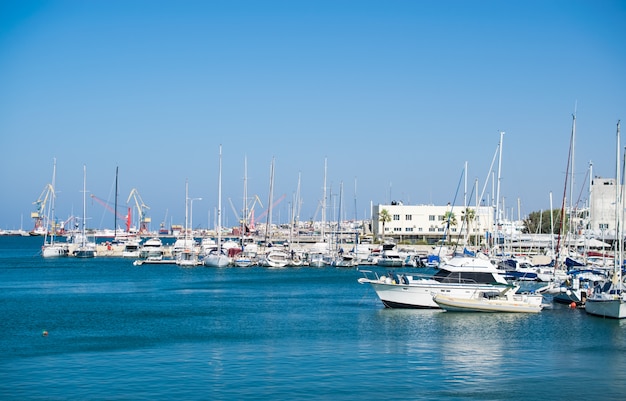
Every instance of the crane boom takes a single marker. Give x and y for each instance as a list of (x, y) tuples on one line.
[(38, 215), (141, 208), (271, 207), (112, 210)]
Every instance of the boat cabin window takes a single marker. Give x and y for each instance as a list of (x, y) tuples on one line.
[(444, 276)]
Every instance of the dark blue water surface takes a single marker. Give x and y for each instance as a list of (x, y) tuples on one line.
[(118, 331)]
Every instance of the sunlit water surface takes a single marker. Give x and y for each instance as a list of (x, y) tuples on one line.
[(118, 331)]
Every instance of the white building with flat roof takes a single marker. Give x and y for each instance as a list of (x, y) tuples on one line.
[(602, 206), (428, 223)]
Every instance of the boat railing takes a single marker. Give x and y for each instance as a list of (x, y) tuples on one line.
[(397, 278)]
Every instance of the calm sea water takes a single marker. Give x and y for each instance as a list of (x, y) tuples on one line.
[(118, 331)]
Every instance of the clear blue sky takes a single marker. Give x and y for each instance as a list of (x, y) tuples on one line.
[(396, 95)]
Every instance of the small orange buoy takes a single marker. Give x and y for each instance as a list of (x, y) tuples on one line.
[(44, 333), (572, 305)]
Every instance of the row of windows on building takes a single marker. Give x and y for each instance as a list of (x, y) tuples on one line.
[(419, 229), (432, 217)]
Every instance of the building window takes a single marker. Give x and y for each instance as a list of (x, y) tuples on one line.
[(409, 229), (408, 217), (396, 217), (440, 218), (603, 226), (431, 218), (431, 229), (397, 229)]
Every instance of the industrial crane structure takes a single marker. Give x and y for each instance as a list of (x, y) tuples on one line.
[(144, 221), (126, 218), (39, 214)]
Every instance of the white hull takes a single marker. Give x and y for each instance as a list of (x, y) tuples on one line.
[(53, 251), (276, 259), (419, 294), (85, 252), (317, 260), (243, 262), (460, 277), (130, 254), (606, 305), (516, 303), (216, 260), (187, 259)]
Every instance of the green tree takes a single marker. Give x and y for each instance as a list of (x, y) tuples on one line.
[(384, 217), (468, 217), (540, 223), (449, 220)]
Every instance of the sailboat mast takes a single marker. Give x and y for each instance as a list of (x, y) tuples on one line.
[(572, 173), (84, 239), (619, 210), (498, 182), (219, 203), (295, 213), (244, 217), (268, 224), (115, 212), (186, 212), (339, 210), (356, 231), (562, 212), (324, 203), (51, 222)]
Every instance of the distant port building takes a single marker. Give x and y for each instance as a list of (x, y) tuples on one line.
[(601, 208), (428, 223)]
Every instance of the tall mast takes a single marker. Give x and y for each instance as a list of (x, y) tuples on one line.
[(186, 211), (563, 203), (268, 224), (618, 214), (244, 220), (356, 236), (324, 204), (572, 173), (53, 200), (115, 212), (497, 219), (219, 203), (296, 212), (84, 239)]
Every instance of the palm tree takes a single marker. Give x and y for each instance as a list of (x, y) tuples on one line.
[(469, 215), (384, 217), (449, 220)]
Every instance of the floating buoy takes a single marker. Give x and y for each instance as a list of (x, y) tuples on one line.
[(44, 333), (572, 305)]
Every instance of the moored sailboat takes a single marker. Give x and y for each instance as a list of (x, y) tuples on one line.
[(50, 247), (184, 249), (609, 300), (85, 249), (217, 257)]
